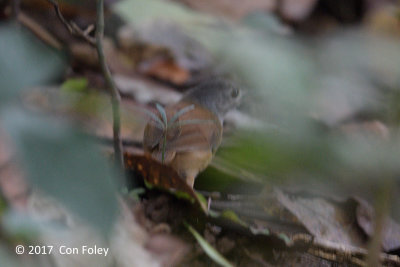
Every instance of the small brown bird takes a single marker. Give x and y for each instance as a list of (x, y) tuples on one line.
[(186, 135)]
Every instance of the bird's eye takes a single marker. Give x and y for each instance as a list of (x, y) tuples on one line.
[(235, 93)]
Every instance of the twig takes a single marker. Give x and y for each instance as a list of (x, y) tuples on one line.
[(39, 31), (72, 27), (98, 43), (115, 96)]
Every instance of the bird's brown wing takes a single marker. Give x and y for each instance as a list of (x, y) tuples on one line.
[(203, 132), (199, 129), (152, 136), (153, 143)]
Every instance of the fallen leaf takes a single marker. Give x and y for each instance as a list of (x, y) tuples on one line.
[(165, 69), (365, 219), (163, 177), (324, 219)]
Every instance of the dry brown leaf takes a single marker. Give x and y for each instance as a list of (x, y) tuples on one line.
[(324, 219), (165, 69), (160, 176)]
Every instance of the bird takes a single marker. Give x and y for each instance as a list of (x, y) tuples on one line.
[(185, 135)]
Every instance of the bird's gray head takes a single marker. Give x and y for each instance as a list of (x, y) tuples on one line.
[(218, 95)]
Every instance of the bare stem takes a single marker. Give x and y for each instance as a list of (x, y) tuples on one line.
[(98, 43), (115, 96)]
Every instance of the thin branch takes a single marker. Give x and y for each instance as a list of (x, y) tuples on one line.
[(39, 31), (115, 96), (98, 43), (72, 27)]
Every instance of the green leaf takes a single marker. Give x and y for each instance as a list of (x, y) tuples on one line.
[(208, 249), (25, 61), (148, 185), (136, 192), (66, 164), (75, 85), (231, 215), (182, 195), (202, 200)]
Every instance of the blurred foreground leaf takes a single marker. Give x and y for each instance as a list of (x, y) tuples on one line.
[(273, 155), (24, 61), (21, 227), (66, 165), (286, 155), (6, 259)]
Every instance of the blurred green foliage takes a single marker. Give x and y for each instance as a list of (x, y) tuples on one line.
[(56, 157), (287, 78), (75, 85), (66, 164), (306, 88), (7, 259), (25, 61)]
